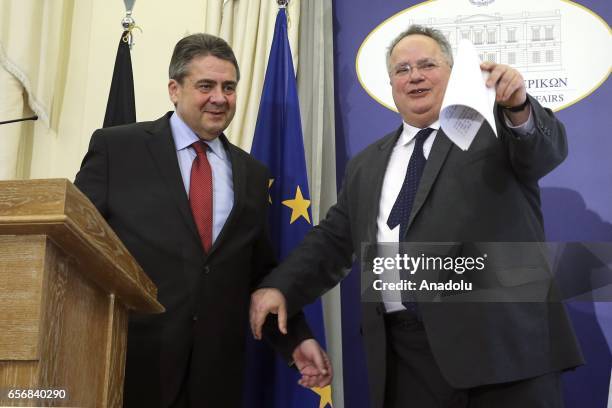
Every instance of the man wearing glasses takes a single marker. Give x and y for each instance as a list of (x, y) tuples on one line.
[(414, 185)]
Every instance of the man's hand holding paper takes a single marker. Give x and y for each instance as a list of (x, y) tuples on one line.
[(473, 89), (510, 89)]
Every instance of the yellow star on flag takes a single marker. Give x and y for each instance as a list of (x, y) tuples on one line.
[(299, 206), (325, 394), (269, 186)]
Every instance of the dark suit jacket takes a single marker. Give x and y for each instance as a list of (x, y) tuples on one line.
[(487, 194), (132, 176)]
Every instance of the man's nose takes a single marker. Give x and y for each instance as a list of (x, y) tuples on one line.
[(218, 97), (416, 75)]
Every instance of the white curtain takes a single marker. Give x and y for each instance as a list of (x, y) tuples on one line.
[(11, 107), (32, 49), (33, 73)]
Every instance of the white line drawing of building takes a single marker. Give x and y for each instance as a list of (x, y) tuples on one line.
[(528, 41)]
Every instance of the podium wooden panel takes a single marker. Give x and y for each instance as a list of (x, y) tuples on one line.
[(66, 283)]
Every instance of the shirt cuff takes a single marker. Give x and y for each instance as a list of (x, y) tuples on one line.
[(524, 129)]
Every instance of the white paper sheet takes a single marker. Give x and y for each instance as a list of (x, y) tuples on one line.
[(467, 102)]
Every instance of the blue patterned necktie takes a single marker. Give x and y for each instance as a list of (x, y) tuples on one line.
[(400, 213)]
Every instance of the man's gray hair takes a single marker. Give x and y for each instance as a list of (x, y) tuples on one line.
[(198, 45), (430, 32)]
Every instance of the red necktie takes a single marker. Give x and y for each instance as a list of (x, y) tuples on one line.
[(201, 194)]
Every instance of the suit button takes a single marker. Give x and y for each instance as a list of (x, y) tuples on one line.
[(206, 270), (195, 318)]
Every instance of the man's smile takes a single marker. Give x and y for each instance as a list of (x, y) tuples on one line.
[(419, 92)]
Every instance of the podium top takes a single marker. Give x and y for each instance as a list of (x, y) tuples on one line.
[(57, 209)]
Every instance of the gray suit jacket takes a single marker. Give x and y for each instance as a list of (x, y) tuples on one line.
[(487, 194)]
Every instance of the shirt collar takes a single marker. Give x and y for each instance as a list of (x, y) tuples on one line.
[(409, 132), (184, 137)]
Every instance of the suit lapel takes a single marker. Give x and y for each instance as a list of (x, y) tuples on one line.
[(436, 159), (161, 147), (375, 178), (239, 178)]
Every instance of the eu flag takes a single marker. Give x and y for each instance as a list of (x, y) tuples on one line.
[(278, 143)]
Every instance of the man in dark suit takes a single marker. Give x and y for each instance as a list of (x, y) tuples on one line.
[(440, 354), (191, 208)]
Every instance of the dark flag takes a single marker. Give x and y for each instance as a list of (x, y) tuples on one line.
[(121, 106), (278, 143)]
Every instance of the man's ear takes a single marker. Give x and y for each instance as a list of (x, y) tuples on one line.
[(173, 90)]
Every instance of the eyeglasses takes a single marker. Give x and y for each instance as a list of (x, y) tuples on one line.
[(424, 65)]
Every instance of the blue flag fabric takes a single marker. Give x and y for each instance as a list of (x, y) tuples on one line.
[(278, 143)]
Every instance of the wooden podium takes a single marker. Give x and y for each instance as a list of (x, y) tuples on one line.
[(66, 283)]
